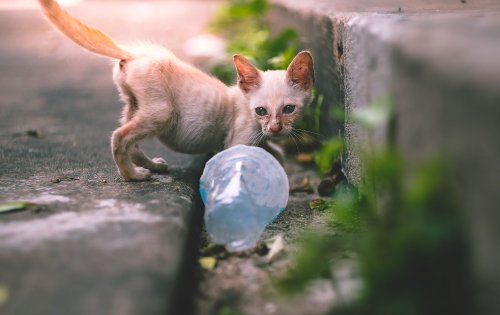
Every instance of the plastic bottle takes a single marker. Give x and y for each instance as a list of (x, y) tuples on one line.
[(244, 188)]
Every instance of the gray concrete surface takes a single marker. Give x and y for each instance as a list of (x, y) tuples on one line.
[(95, 244), (438, 61)]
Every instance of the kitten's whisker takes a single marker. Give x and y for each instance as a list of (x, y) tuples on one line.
[(309, 132), (257, 138), (302, 133), (293, 135)]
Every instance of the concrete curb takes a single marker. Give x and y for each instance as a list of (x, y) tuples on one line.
[(94, 244), (439, 63)]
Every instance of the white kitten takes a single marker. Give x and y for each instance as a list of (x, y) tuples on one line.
[(185, 108)]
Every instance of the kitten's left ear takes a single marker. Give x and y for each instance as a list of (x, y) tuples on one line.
[(301, 71), (248, 75)]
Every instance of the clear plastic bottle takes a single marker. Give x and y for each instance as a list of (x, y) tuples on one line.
[(244, 188)]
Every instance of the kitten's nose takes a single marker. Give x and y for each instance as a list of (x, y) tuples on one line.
[(275, 128)]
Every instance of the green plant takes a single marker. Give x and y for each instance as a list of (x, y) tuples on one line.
[(243, 24), (407, 229), (329, 152)]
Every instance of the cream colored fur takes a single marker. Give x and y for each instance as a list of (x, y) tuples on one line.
[(186, 109)]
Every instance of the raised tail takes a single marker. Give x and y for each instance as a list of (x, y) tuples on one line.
[(89, 38)]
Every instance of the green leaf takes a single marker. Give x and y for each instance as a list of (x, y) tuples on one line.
[(15, 206), (328, 154)]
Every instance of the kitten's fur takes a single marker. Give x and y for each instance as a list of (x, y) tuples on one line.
[(188, 110)]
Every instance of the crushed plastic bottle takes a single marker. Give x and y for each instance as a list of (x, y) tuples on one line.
[(244, 188)]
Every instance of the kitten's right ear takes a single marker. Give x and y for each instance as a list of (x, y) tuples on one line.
[(248, 75), (300, 72)]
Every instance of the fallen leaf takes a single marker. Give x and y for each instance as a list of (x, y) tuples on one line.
[(208, 263), (34, 133), (15, 206), (30, 133), (4, 294), (317, 204), (275, 248), (305, 158), (63, 179)]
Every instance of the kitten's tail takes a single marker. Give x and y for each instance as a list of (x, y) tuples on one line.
[(89, 38)]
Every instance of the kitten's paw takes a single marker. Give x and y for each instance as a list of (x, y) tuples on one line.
[(159, 165), (139, 174)]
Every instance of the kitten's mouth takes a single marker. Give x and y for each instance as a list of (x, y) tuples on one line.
[(276, 135)]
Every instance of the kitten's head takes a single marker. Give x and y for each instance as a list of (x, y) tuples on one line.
[(277, 97)]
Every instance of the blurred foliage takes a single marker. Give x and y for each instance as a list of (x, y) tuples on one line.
[(227, 310), (329, 152), (414, 255), (243, 24), (406, 228), (310, 264)]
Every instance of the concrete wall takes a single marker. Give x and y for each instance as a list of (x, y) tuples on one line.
[(440, 63)]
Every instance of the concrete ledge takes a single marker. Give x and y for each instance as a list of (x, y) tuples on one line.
[(439, 63), (95, 244)]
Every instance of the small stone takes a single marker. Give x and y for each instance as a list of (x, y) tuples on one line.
[(302, 185), (326, 187), (262, 249)]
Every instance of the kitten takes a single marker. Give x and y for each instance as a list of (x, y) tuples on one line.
[(185, 108)]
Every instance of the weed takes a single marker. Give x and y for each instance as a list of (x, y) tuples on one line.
[(243, 24), (406, 227)]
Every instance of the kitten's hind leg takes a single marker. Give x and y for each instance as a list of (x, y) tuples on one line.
[(123, 141), (156, 165)]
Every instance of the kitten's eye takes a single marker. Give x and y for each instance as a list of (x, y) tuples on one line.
[(261, 111), (288, 109)]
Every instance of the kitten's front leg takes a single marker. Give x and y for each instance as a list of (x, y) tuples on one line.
[(275, 150)]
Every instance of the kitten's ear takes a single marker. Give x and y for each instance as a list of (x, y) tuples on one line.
[(248, 75), (301, 71)]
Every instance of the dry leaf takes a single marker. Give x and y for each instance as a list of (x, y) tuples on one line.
[(15, 206), (317, 204), (208, 263), (305, 158), (4, 294), (63, 179)]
